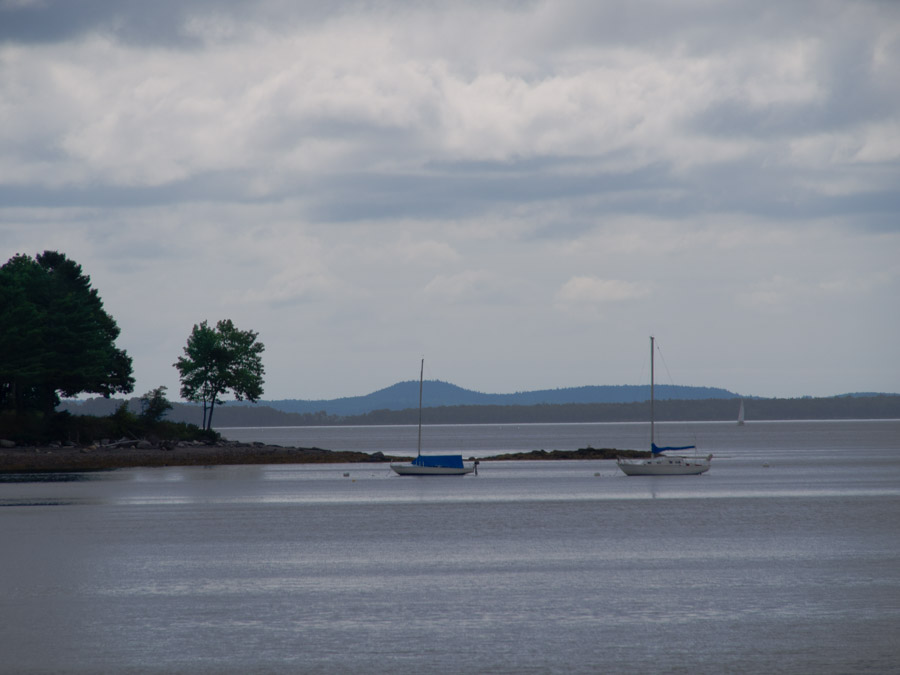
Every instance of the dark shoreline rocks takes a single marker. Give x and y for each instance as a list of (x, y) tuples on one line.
[(130, 453), (52, 458), (582, 453)]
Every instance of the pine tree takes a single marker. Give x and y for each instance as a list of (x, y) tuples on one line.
[(55, 337)]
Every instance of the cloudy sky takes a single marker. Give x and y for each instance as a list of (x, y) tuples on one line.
[(521, 192)]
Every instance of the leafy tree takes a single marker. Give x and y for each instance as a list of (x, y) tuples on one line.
[(218, 359), (155, 405), (55, 337)]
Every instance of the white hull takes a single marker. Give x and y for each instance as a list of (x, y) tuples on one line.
[(661, 464), (413, 470), (665, 466)]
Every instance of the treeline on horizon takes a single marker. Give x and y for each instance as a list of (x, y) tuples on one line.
[(885, 406)]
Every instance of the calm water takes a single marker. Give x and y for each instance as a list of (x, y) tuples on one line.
[(785, 558)]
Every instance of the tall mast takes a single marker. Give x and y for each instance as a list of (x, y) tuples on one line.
[(652, 437), (421, 375)]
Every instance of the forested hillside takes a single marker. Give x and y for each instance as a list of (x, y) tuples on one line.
[(405, 395), (715, 409)]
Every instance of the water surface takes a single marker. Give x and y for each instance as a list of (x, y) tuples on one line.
[(784, 558)]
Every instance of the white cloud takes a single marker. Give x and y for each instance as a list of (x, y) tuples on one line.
[(776, 294), (473, 286), (587, 291), (368, 180), (321, 100), (879, 142), (290, 287), (426, 252)]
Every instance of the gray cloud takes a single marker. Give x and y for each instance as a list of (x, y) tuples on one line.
[(371, 180), (47, 21)]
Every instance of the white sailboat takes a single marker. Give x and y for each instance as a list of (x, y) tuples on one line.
[(741, 414), (432, 465), (661, 464)]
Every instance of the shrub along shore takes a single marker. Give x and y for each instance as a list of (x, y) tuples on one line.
[(122, 454)]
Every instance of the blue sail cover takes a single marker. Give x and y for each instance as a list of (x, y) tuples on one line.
[(448, 461), (656, 449)]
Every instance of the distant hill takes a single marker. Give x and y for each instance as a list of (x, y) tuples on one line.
[(447, 403), (398, 397), (437, 394), (880, 406)]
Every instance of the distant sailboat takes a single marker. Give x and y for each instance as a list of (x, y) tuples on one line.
[(659, 463), (432, 465), (741, 414)]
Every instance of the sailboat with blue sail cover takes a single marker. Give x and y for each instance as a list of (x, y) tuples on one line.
[(660, 463), (432, 465)]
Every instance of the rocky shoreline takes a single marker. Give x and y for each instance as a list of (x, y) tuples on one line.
[(127, 453)]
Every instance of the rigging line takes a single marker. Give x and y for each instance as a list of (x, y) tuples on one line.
[(665, 365), (644, 378)]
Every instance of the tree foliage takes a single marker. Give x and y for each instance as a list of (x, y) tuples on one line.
[(155, 405), (55, 337), (217, 360)]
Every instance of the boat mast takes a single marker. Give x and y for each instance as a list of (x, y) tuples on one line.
[(421, 375), (652, 436)]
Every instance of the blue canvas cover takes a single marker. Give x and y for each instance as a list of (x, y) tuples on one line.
[(449, 461), (656, 449)]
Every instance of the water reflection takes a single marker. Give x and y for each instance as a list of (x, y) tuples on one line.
[(36, 502), (56, 477), (531, 481)]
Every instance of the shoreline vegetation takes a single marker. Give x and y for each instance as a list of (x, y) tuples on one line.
[(66, 441), (129, 453), (880, 406)]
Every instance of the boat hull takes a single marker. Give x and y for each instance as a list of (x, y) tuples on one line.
[(665, 466), (418, 470)]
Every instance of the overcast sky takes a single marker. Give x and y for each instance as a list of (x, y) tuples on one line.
[(519, 192)]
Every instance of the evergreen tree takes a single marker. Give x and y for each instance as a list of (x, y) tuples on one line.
[(55, 337)]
